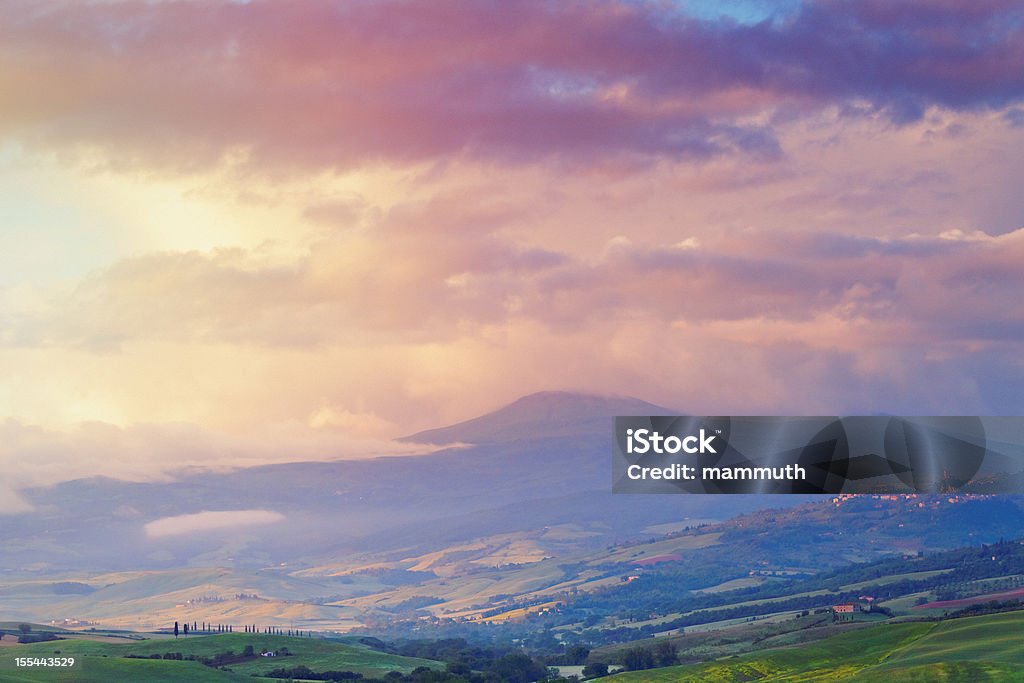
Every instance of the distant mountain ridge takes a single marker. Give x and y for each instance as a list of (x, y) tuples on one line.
[(526, 508), (553, 447), (546, 414)]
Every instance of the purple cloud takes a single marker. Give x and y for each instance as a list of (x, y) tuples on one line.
[(329, 84)]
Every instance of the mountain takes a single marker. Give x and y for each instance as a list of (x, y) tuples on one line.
[(543, 460), (547, 414), (533, 482)]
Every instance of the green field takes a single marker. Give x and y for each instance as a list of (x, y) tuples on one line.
[(987, 648), (994, 642), (100, 659), (108, 669)]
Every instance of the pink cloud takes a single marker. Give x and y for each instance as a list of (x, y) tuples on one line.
[(348, 288), (328, 84), (791, 192)]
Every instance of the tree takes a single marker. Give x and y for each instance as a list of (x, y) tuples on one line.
[(665, 654), (577, 654), (175, 629), (638, 659), (595, 670), (518, 668), (248, 651), (25, 628), (185, 629), (459, 668)]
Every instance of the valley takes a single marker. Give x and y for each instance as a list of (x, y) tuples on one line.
[(481, 543)]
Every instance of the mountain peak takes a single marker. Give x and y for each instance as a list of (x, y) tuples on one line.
[(543, 414)]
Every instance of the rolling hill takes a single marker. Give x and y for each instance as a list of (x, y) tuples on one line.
[(517, 521), (106, 661), (976, 649), (343, 528)]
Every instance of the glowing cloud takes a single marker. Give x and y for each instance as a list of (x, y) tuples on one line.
[(201, 522), (242, 233)]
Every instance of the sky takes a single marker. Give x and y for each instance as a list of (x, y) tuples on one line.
[(240, 232)]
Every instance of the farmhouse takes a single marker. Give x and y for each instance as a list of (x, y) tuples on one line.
[(843, 612)]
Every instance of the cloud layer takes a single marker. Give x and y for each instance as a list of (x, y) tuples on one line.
[(329, 84), (299, 229), (351, 290)]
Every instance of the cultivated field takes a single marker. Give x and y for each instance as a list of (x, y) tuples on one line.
[(975, 649)]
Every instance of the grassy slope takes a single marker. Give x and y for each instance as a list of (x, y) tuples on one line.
[(977, 648), (106, 670), (316, 653), (984, 648)]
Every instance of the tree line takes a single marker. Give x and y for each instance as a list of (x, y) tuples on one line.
[(184, 629)]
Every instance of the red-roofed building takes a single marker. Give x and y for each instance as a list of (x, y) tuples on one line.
[(843, 612)]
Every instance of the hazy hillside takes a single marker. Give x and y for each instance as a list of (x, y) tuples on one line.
[(506, 483), (496, 529), (517, 499)]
